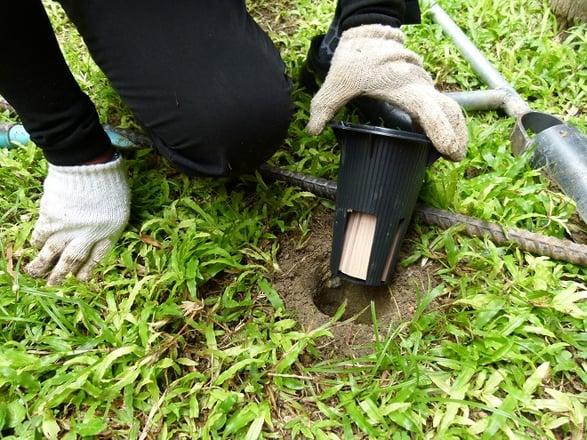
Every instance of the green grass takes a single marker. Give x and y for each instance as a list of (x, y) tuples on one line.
[(182, 335)]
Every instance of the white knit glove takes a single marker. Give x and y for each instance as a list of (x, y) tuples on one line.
[(371, 60), (83, 211)]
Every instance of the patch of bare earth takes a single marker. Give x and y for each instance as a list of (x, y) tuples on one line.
[(308, 291), (271, 17)]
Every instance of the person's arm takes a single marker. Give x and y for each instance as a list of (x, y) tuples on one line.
[(394, 13), (352, 13), (369, 59), (86, 201)]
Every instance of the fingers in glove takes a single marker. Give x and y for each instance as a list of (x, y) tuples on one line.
[(454, 113), (46, 258), (72, 258), (439, 116), (39, 236), (98, 253), (326, 103)]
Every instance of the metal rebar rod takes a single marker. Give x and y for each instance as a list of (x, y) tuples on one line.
[(537, 244), (316, 185)]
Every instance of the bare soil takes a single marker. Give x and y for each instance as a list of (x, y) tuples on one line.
[(308, 290)]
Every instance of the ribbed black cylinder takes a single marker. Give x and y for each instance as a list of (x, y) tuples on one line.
[(381, 173)]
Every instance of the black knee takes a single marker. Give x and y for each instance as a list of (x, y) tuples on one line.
[(202, 78), (231, 133)]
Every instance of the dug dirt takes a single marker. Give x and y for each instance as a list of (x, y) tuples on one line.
[(308, 290)]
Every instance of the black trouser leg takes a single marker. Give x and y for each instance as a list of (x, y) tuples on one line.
[(38, 84), (202, 78)]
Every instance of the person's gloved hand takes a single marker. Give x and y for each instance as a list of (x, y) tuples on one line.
[(83, 211), (371, 60)]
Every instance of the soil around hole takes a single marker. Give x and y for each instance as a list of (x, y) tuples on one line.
[(305, 285), (360, 302)]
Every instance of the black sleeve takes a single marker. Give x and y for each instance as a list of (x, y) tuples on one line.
[(353, 13)]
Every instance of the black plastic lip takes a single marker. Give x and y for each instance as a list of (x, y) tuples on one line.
[(383, 131)]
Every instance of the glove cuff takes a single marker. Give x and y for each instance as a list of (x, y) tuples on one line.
[(375, 31), (103, 174), (94, 181)]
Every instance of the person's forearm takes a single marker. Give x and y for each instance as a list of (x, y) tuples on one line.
[(351, 13)]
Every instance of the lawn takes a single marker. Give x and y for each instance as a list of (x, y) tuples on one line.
[(188, 330)]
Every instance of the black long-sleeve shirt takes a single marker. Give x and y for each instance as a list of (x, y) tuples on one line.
[(392, 12)]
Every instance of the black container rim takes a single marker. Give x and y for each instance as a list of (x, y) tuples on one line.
[(382, 131)]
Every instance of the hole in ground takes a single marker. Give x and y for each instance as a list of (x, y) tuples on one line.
[(333, 292), (304, 265)]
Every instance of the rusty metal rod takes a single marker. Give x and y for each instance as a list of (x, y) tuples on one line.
[(537, 244)]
